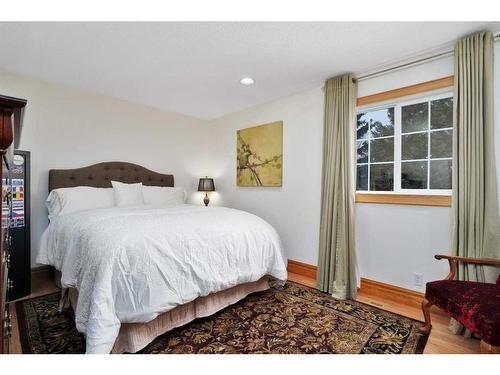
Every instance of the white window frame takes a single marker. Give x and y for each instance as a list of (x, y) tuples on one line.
[(397, 105)]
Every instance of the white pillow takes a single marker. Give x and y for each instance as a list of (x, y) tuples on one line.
[(163, 196), (127, 194), (67, 200)]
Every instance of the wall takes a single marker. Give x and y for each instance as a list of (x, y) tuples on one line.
[(66, 128), (393, 242), (292, 209)]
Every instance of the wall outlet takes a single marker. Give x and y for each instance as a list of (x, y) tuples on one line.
[(418, 279)]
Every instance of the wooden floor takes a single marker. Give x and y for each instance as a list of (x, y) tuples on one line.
[(441, 340), (41, 283)]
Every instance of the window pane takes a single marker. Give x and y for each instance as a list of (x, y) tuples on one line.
[(442, 113), (362, 149), (382, 177), (414, 146), (442, 144), (362, 126), (414, 117), (382, 149), (414, 175), (440, 174), (382, 122), (362, 177)]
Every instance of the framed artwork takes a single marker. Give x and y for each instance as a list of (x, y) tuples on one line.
[(259, 151)]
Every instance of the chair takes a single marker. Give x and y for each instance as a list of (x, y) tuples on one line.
[(474, 305)]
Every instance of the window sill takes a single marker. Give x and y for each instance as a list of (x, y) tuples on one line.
[(405, 199)]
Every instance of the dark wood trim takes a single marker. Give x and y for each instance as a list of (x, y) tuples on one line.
[(484, 261), (302, 269), (426, 310), (406, 91), (6, 129), (11, 102), (405, 199), (43, 270), (453, 260)]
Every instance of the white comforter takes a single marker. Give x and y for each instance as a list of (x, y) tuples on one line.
[(131, 264)]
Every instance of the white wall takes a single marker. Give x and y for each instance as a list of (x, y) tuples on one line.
[(294, 208), (393, 242), (66, 128)]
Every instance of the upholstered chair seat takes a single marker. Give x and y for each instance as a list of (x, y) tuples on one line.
[(475, 305)]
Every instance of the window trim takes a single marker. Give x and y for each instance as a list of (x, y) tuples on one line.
[(428, 91), (404, 199), (419, 88)]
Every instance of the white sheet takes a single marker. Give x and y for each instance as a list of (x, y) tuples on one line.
[(129, 264)]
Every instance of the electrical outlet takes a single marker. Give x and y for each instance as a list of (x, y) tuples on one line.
[(418, 279)]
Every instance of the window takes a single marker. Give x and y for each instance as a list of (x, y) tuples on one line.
[(406, 147)]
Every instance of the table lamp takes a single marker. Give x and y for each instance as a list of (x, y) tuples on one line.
[(206, 184)]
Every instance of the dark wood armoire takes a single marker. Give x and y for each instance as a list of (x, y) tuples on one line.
[(11, 116)]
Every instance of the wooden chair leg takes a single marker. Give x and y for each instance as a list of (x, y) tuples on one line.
[(489, 349), (426, 305)]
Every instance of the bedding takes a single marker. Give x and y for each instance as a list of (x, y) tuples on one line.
[(130, 264), (127, 194), (67, 200), (163, 196)]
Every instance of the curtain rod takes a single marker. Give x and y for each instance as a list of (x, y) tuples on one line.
[(437, 56)]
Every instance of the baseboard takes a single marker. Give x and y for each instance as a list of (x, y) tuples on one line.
[(42, 270), (394, 293), (302, 269), (369, 288)]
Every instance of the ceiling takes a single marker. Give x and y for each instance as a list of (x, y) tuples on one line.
[(194, 68)]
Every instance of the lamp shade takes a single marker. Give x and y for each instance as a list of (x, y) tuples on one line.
[(206, 184)]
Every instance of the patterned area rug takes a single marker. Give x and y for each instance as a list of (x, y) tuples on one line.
[(287, 319)]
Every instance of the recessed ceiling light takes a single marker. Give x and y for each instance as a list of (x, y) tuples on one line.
[(247, 81)]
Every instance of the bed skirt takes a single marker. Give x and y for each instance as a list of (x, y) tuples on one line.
[(135, 336)]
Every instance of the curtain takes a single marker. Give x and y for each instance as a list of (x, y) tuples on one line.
[(337, 260), (476, 229)]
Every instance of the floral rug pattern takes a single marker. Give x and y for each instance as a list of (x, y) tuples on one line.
[(284, 319)]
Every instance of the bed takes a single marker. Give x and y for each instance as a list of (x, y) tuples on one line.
[(133, 273)]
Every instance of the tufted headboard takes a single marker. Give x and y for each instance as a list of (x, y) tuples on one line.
[(100, 175)]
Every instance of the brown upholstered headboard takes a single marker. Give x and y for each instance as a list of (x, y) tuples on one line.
[(100, 175)]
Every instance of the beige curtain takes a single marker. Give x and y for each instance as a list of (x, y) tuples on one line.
[(337, 261), (476, 231)]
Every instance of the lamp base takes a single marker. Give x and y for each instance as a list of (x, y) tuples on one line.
[(206, 200)]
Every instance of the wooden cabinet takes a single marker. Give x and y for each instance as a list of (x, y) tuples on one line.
[(10, 126)]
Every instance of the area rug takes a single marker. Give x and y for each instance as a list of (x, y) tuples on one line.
[(284, 319)]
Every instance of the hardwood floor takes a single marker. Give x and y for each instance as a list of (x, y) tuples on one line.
[(42, 282), (441, 341)]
